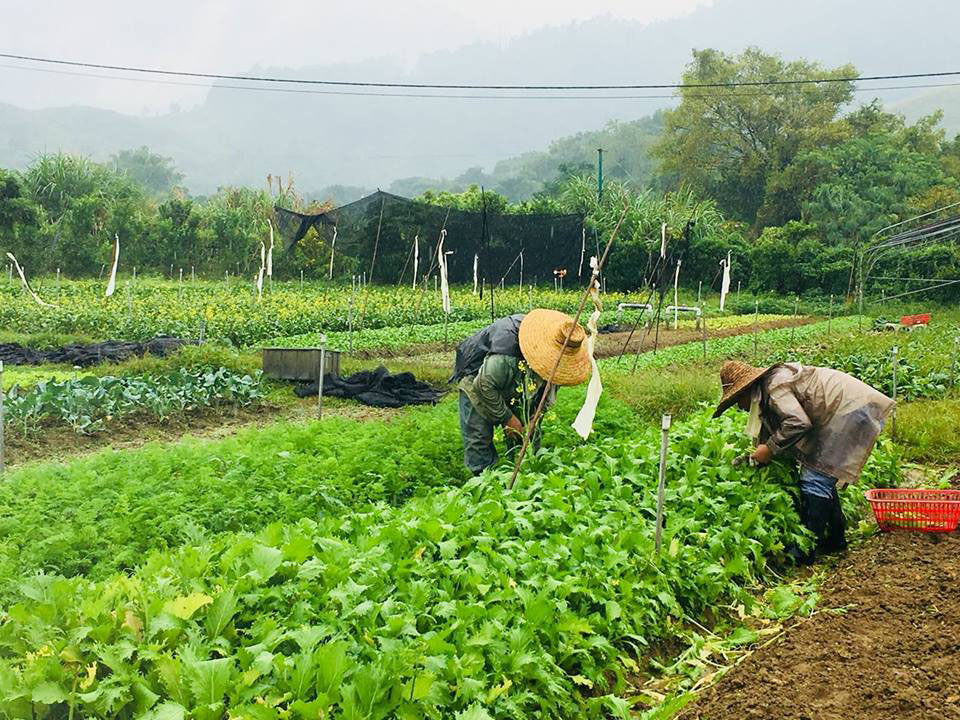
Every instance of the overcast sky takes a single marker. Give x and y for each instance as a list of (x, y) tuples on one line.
[(236, 35)]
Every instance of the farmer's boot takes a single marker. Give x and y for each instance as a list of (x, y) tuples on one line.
[(836, 540), (817, 512)]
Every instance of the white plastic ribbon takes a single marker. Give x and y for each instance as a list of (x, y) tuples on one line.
[(476, 260), (333, 247), (112, 282), (263, 264), (583, 425), (26, 285), (444, 286), (583, 250), (270, 251), (725, 284), (416, 258), (663, 240)]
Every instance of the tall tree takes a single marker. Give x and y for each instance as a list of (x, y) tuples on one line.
[(155, 173), (730, 143)]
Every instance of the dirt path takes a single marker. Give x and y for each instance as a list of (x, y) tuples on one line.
[(611, 345), (885, 644)]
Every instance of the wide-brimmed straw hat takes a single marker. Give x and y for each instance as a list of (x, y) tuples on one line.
[(542, 333), (736, 377)]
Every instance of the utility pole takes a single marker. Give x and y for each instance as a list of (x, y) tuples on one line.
[(599, 174)]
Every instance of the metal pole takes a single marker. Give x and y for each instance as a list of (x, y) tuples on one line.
[(893, 421), (301, 279), (323, 359), (58, 282), (703, 324), (830, 317), (738, 291), (1, 417), (661, 485), (756, 316), (699, 290), (599, 175), (180, 286), (350, 318)]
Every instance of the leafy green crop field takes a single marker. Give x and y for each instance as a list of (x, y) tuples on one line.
[(467, 600)]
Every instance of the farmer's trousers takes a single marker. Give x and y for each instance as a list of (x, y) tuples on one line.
[(479, 452)]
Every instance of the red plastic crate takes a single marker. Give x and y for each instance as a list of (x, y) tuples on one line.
[(910, 320), (915, 509)]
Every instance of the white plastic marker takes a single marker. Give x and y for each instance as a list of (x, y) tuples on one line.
[(26, 285), (270, 251), (476, 260), (663, 240), (263, 267), (583, 425), (416, 259), (444, 286), (112, 282)]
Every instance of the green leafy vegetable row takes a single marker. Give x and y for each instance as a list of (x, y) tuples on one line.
[(85, 403), (472, 602)]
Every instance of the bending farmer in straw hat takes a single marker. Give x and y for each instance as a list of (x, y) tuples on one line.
[(826, 420), (502, 373)]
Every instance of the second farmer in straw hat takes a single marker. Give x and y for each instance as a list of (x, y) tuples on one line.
[(502, 374), (825, 420)]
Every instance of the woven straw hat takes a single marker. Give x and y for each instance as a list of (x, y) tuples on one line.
[(735, 377), (542, 333)]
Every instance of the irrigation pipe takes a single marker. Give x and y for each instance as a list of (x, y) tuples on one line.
[(566, 341)]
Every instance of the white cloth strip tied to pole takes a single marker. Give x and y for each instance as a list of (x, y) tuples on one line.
[(416, 259), (263, 263), (725, 283), (476, 261), (444, 286), (583, 425), (333, 246), (26, 285), (270, 251), (112, 282)]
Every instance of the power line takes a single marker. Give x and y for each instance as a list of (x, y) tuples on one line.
[(464, 86), (439, 96)]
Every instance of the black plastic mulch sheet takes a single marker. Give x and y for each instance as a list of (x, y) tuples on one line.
[(87, 355), (377, 388)]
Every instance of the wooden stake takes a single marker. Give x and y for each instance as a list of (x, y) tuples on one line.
[(662, 484), (756, 317)]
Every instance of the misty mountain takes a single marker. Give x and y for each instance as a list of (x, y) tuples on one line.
[(323, 139)]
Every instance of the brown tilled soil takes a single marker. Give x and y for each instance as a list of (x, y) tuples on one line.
[(611, 344), (884, 646)]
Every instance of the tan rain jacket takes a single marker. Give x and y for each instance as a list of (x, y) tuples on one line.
[(828, 420)]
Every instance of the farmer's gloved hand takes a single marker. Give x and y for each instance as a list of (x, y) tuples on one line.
[(762, 455), (741, 460), (513, 426)]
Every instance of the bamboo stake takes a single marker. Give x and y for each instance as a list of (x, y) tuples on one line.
[(566, 341), (893, 419)]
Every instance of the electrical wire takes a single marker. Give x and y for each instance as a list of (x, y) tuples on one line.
[(438, 96), (466, 86)]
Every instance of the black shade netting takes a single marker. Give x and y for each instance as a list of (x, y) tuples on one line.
[(376, 235), (87, 355), (377, 388)]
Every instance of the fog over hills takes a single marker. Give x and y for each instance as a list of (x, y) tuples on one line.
[(237, 137)]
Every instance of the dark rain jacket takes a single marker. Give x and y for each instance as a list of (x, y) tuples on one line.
[(826, 419)]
